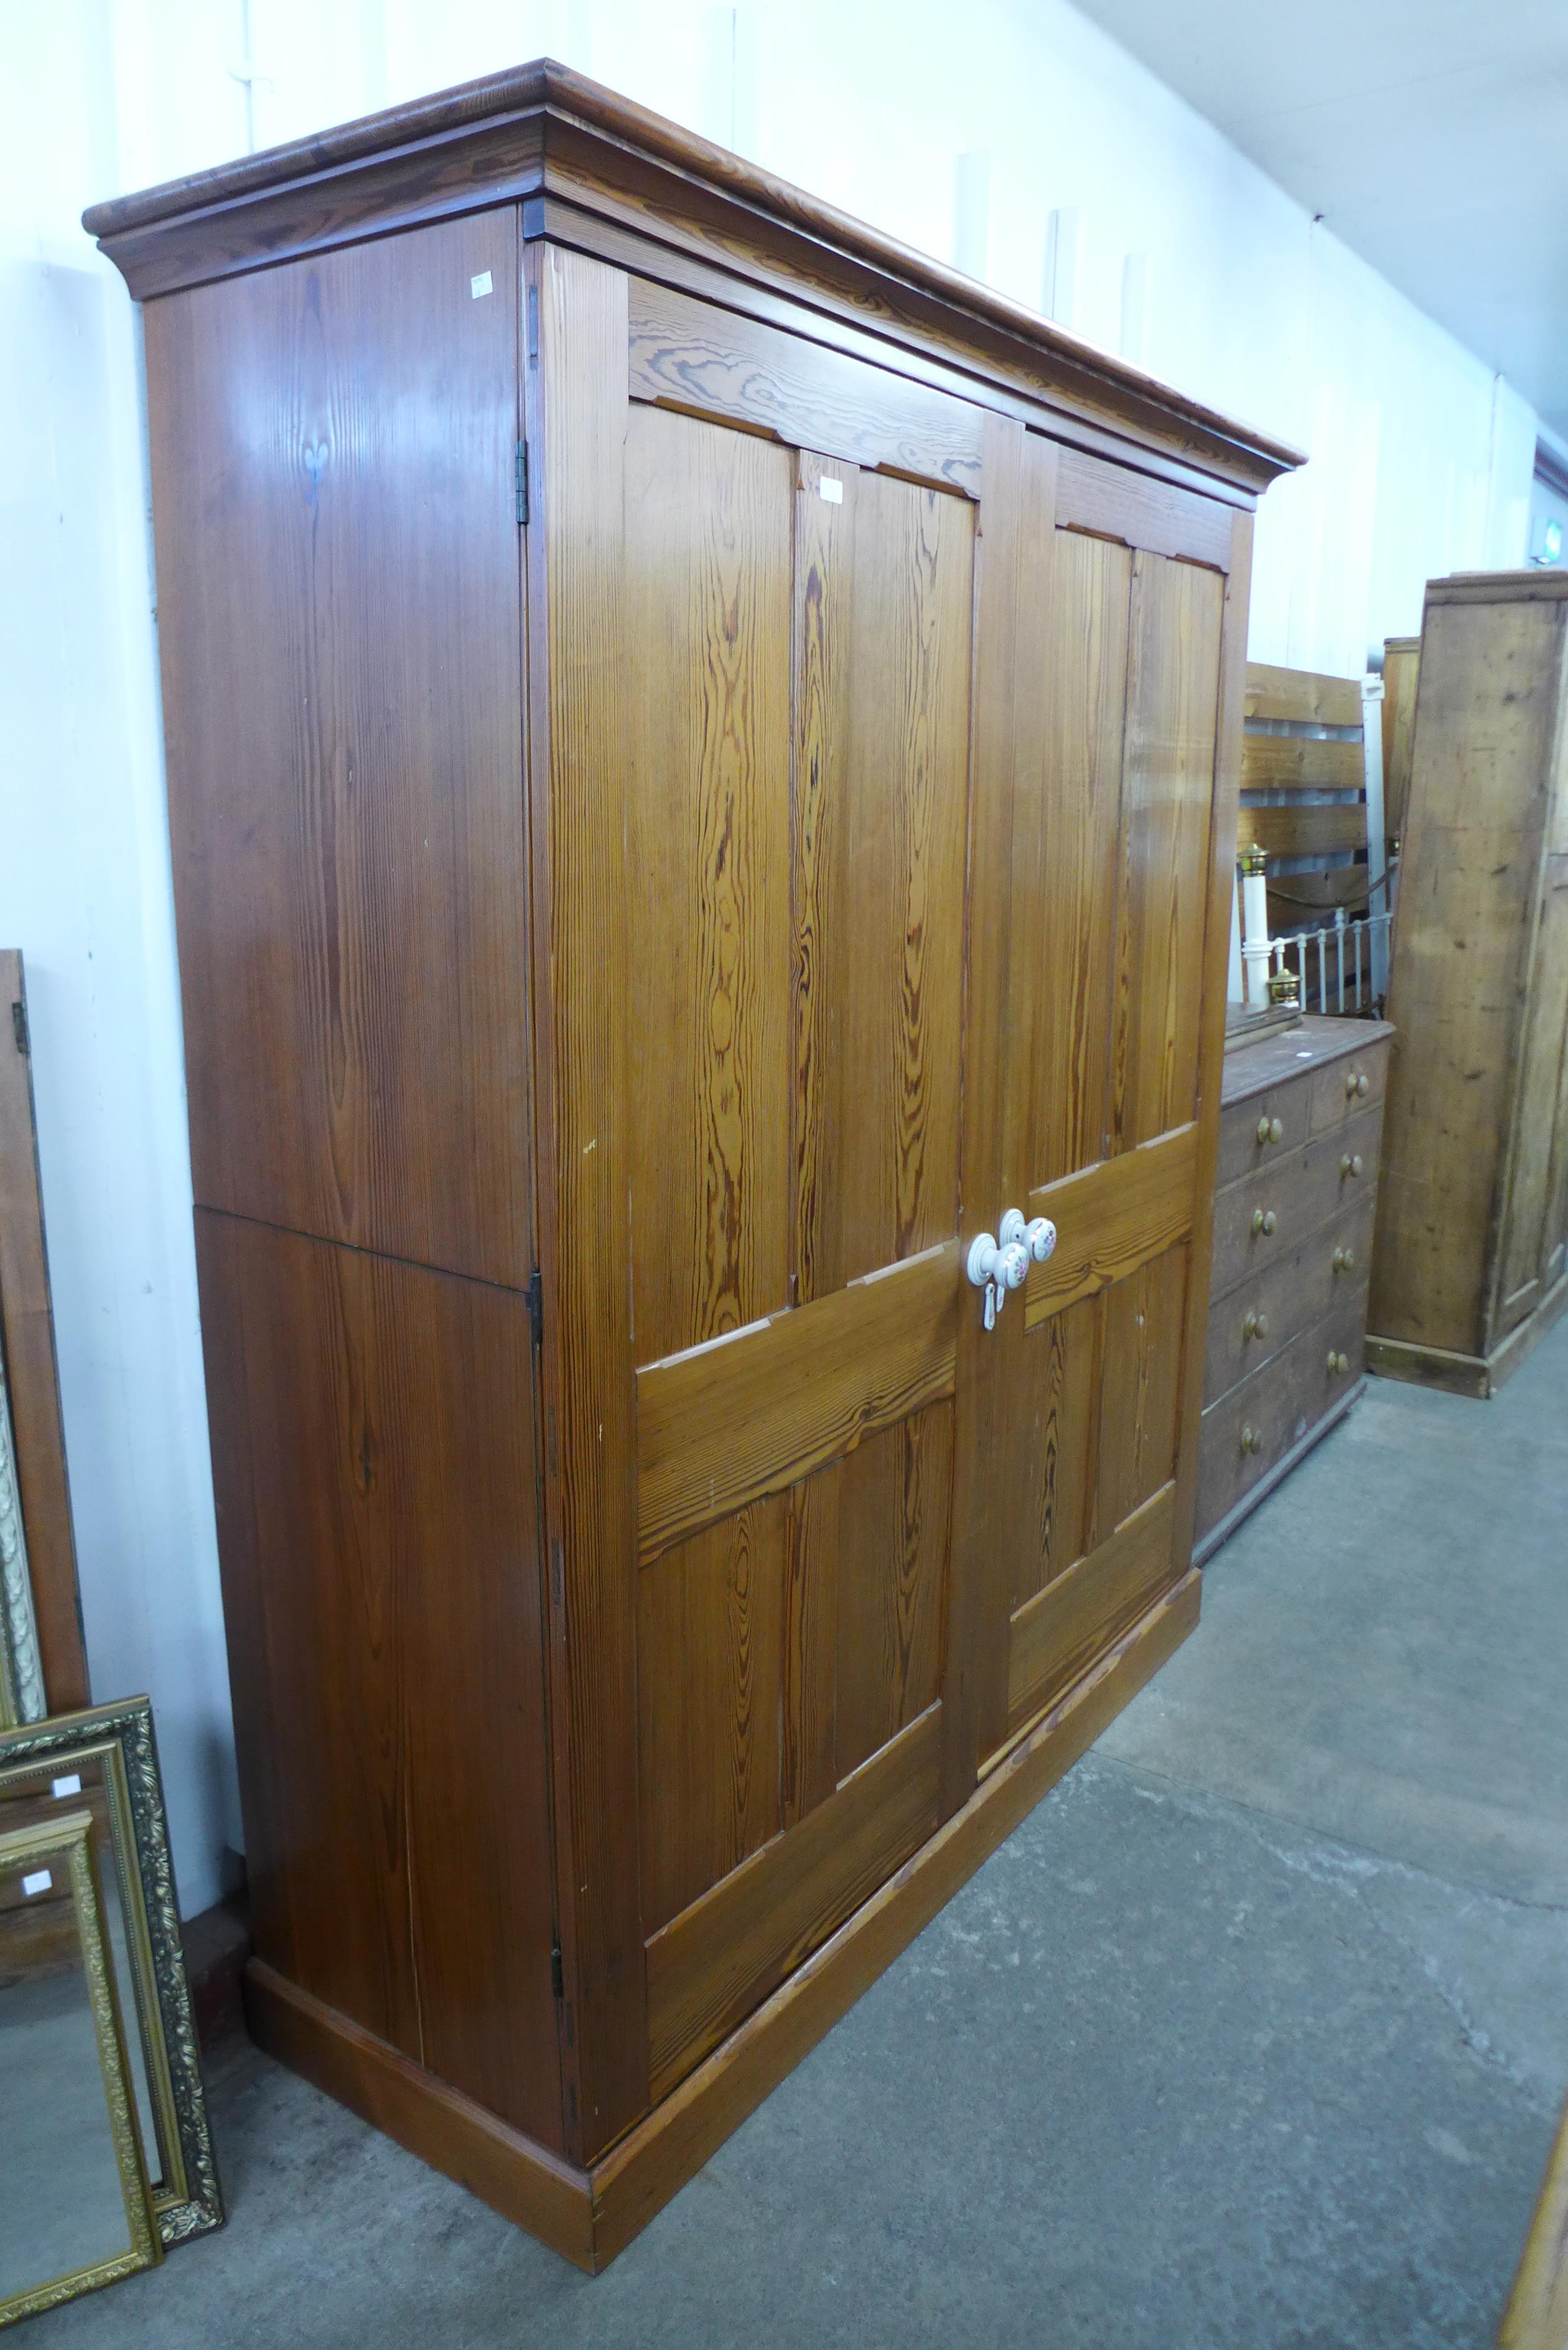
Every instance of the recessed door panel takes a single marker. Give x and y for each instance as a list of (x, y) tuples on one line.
[(878, 824), (797, 695), (1107, 892), (708, 529)]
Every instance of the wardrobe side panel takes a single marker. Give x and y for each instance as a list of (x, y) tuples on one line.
[(333, 452), (373, 1450)]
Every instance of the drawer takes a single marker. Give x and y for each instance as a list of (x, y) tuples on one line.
[(1346, 1088), (1259, 1223), (1257, 1320), (1247, 1138), (1248, 1431)]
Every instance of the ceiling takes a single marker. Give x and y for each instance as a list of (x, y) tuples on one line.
[(1432, 135)]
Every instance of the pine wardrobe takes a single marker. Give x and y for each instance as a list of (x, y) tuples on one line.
[(703, 768), (1469, 1268)]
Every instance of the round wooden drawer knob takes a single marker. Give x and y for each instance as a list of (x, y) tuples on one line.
[(1251, 1440), (1356, 1087), (1270, 1130), (1351, 1163), (1263, 1219), (1256, 1326), (1338, 1362), (1345, 1259)]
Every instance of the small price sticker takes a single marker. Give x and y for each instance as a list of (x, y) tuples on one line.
[(70, 1785), (39, 1881)]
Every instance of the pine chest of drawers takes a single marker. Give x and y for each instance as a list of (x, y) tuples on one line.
[(1300, 1123)]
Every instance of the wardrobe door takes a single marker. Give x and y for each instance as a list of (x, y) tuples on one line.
[(1120, 629), (756, 735)]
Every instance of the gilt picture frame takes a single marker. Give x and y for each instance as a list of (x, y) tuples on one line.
[(63, 1845), (115, 1744)]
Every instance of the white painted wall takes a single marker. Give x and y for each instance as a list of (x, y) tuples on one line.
[(1074, 159)]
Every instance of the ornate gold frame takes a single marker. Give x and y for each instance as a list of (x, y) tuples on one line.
[(187, 2200), (69, 1838)]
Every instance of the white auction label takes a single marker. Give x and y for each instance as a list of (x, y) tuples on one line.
[(831, 490), (483, 284), (39, 1881), (71, 1784)]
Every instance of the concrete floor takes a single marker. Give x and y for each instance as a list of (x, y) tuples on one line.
[(1253, 2035)]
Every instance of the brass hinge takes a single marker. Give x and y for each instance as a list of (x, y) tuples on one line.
[(522, 481), (19, 1026)]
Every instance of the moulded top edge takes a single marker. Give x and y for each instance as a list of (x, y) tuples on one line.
[(185, 231), (1540, 586)]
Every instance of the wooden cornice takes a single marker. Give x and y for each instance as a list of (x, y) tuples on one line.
[(587, 156)]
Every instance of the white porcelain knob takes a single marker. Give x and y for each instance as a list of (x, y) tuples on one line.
[(1040, 1239)]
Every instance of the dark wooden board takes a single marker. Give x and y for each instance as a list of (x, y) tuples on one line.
[(32, 1375)]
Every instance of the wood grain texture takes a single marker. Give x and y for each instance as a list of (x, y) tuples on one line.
[(1401, 670), (1280, 1405), (616, 227), (712, 1965), (1301, 762), (1486, 774), (689, 356), (1302, 695), (1292, 1293), (748, 1414), (1110, 1219), (1055, 1432), (1064, 1629), (32, 1373), (1340, 1094), (897, 949), (894, 1518), (638, 2177), (490, 140), (577, 421), (1017, 496), (705, 797), (1469, 1375), (525, 2182), (1302, 831), (374, 1462), (339, 598), (1114, 502), (1210, 1072), (1142, 1367), (1071, 715), (1260, 1221), (1168, 793), (1269, 1063), (710, 1664)]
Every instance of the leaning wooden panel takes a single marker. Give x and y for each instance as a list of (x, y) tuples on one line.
[(31, 1381), (1466, 1228)]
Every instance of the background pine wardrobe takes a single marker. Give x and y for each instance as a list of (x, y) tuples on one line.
[(1471, 1264), (703, 763)]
